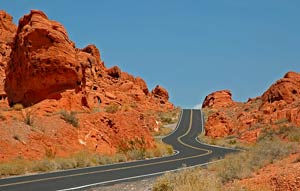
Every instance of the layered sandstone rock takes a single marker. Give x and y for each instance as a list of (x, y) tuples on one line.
[(278, 106)]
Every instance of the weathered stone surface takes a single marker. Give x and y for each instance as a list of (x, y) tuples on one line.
[(7, 33), (218, 99), (278, 106), (43, 61), (286, 89), (50, 76), (114, 72), (160, 92)]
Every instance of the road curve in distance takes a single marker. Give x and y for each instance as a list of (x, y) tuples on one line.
[(190, 152)]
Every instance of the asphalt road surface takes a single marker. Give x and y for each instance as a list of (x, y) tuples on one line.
[(190, 152)]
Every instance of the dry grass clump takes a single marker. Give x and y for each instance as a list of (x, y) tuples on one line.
[(230, 141), (188, 180), (18, 107), (70, 117), (79, 160), (169, 117), (12, 168), (136, 149), (112, 108)]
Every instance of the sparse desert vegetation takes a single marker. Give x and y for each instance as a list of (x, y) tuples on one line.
[(273, 145), (80, 159), (70, 117), (170, 116)]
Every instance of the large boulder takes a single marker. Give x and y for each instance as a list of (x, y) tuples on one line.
[(114, 72), (44, 61), (286, 89), (160, 92), (218, 99)]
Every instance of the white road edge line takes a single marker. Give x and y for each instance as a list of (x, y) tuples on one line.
[(135, 177)]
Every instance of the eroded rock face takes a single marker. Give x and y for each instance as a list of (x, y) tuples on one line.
[(278, 106), (48, 75), (45, 62), (7, 33), (114, 72), (218, 99), (160, 92), (286, 89)]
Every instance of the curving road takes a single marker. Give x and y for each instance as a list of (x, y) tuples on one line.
[(190, 152)]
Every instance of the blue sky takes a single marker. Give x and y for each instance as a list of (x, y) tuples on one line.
[(192, 48)]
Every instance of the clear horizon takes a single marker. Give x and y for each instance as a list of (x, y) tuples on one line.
[(191, 48)]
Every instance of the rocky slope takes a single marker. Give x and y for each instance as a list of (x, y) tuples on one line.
[(60, 99), (278, 106)]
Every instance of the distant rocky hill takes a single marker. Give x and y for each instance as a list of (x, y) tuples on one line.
[(278, 106), (45, 79)]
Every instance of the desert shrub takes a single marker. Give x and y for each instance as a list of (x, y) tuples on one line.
[(243, 164), (65, 163), (28, 117), (18, 107), (16, 167), (70, 117), (169, 117), (85, 159), (230, 141), (45, 165), (188, 180), (112, 108)]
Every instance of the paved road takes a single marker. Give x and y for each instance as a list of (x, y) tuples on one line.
[(191, 152)]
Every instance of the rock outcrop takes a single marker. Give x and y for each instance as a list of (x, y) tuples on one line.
[(7, 33), (43, 61), (53, 80), (278, 106), (160, 92), (286, 89), (218, 99)]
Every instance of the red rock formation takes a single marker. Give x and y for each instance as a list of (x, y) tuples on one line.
[(114, 72), (278, 106), (7, 33), (49, 75), (286, 89), (160, 92), (218, 99), (43, 61), (142, 84)]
